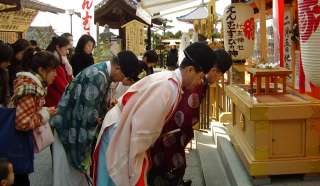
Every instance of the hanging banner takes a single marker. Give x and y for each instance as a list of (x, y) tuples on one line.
[(276, 35), (278, 14), (288, 42), (239, 27), (87, 15)]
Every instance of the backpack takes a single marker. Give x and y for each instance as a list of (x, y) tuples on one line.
[(16, 146)]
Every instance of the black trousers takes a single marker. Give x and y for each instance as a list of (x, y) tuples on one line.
[(21, 180)]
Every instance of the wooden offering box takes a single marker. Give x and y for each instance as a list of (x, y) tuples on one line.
[(268, 75), (275, 134)]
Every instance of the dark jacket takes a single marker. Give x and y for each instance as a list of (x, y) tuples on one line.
[(4, 87), (14, 68), (172, 58), (80, 61)]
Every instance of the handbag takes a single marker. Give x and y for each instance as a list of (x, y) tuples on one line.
[(43, 137), (16, 146)]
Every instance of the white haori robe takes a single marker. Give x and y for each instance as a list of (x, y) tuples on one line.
[(152, 102)]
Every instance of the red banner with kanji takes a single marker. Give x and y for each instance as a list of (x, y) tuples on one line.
[(87, 15)]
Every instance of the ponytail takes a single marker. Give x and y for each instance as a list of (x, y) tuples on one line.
[(27, 59), (57, 42)]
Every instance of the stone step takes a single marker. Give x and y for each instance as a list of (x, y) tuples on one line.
[(211, 164), (235, 171)]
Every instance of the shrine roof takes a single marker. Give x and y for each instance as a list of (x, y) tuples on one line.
[(116, 13), (199, 13), (32, 4)]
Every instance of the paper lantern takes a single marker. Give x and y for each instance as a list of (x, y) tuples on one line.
[(238, 26), (309, 28)]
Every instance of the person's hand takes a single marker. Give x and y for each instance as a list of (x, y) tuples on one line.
[(52, 111), (113, 102)]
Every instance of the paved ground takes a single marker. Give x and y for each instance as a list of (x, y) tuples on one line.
[(194, 171), (43, 173)]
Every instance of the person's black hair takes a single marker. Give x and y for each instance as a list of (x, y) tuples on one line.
[(33, 43), (200, 56), (4, 168), (20, 45), (129, 65), (66, 35), (57, 42), (152, 56), (202, 38), (6, 52), (223, 60), (27, 59), (84, 39), (187, 62), (44, 59)]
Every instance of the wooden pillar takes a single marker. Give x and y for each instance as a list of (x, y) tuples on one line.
[(258, 84), (19, 35), (267, 84), (122, 34), (98, 33), (149, 38), (275, 84), (284, 82), (263, 30), (251, 84)]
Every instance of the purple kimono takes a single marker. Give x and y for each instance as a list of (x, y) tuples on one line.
[(167, 154)]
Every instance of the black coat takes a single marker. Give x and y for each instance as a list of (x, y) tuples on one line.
[(14, 68), (4, 87), (80, 61), (172, 58)]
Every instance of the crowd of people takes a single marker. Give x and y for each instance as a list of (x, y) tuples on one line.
[(114, 122)]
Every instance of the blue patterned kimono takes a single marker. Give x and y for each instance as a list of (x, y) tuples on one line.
[(78, 110), (103, 178)]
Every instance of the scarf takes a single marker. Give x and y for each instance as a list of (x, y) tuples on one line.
[(28, 83), (65, 62)]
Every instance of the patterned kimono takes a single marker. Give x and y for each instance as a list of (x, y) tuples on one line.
[(131, 127), (168, 152), (76, 122)]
